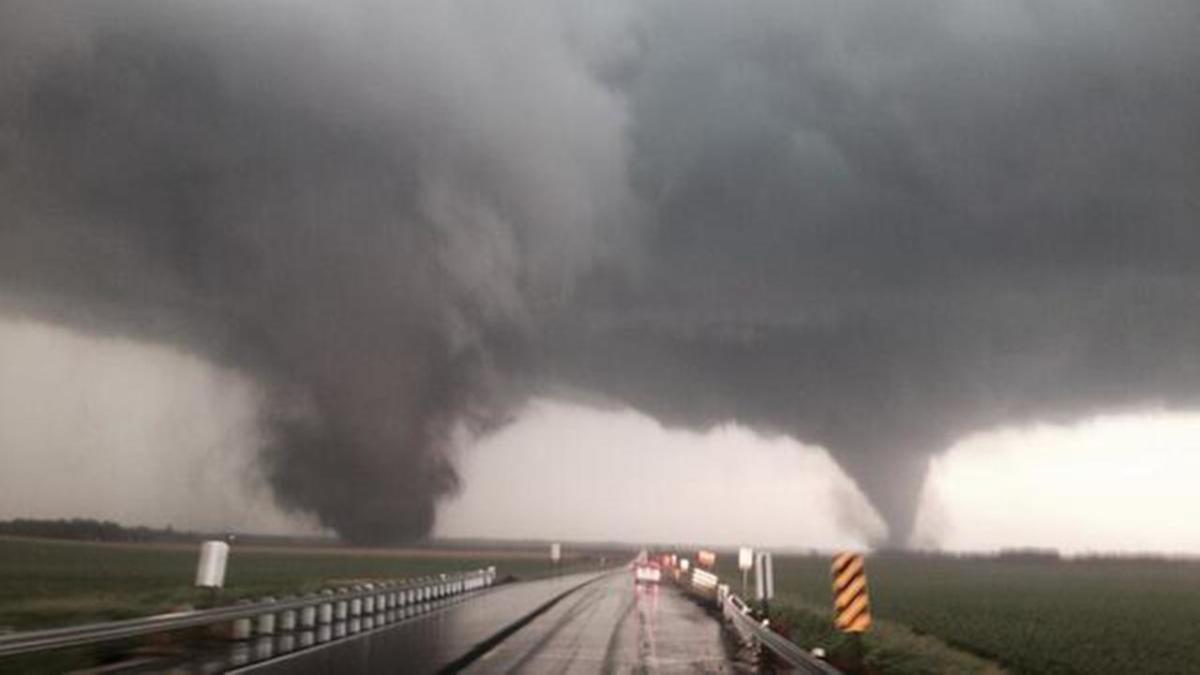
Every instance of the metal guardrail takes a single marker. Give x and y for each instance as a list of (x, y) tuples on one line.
[(737, 612), (354, 609)]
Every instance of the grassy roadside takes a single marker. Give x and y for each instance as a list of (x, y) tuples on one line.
[(890, 648), (1028, 614)]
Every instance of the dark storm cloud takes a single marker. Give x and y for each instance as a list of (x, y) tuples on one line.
[(875, 226), (881, 226), (363, 207)]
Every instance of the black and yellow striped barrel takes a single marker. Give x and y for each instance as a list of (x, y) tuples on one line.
[(851, 607)]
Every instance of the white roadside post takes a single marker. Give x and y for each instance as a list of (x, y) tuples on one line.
[(210, 569), (745, 562), (555, 555), (764, 582)]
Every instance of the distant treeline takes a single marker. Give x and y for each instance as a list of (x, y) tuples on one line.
[(87, 529), (1042, 555)]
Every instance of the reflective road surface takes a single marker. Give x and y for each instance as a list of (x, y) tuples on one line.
[(434, 638), (605, 625), (611, 627)]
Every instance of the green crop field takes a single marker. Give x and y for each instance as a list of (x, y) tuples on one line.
[(1024, 615), (47, 583)]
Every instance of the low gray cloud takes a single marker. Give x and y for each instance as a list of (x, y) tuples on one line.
[(876, 228), (363, 207)]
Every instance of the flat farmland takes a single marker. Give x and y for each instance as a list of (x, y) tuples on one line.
[(1039, 615), (48, 583)]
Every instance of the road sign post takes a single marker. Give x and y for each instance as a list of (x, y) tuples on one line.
[(764, 582), (851, 604), (745, 562)]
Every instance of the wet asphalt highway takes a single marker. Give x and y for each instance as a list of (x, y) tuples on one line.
[(612, 627), (432, 639), (605, 625)]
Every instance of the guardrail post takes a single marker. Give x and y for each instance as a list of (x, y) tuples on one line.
[(368, 608), (287, 618), (239, 652), (241, 627), (266, 622), (308, 621), (325, 616), (341, 614), (393, 602), (264, 629), (308, 614), (287, 627), (356, 604)]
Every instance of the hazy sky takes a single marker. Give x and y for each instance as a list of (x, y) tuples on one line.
[(121, 430), (1111, 484), (569, 471)]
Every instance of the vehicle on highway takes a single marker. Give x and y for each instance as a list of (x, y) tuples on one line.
[(647, 572)]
